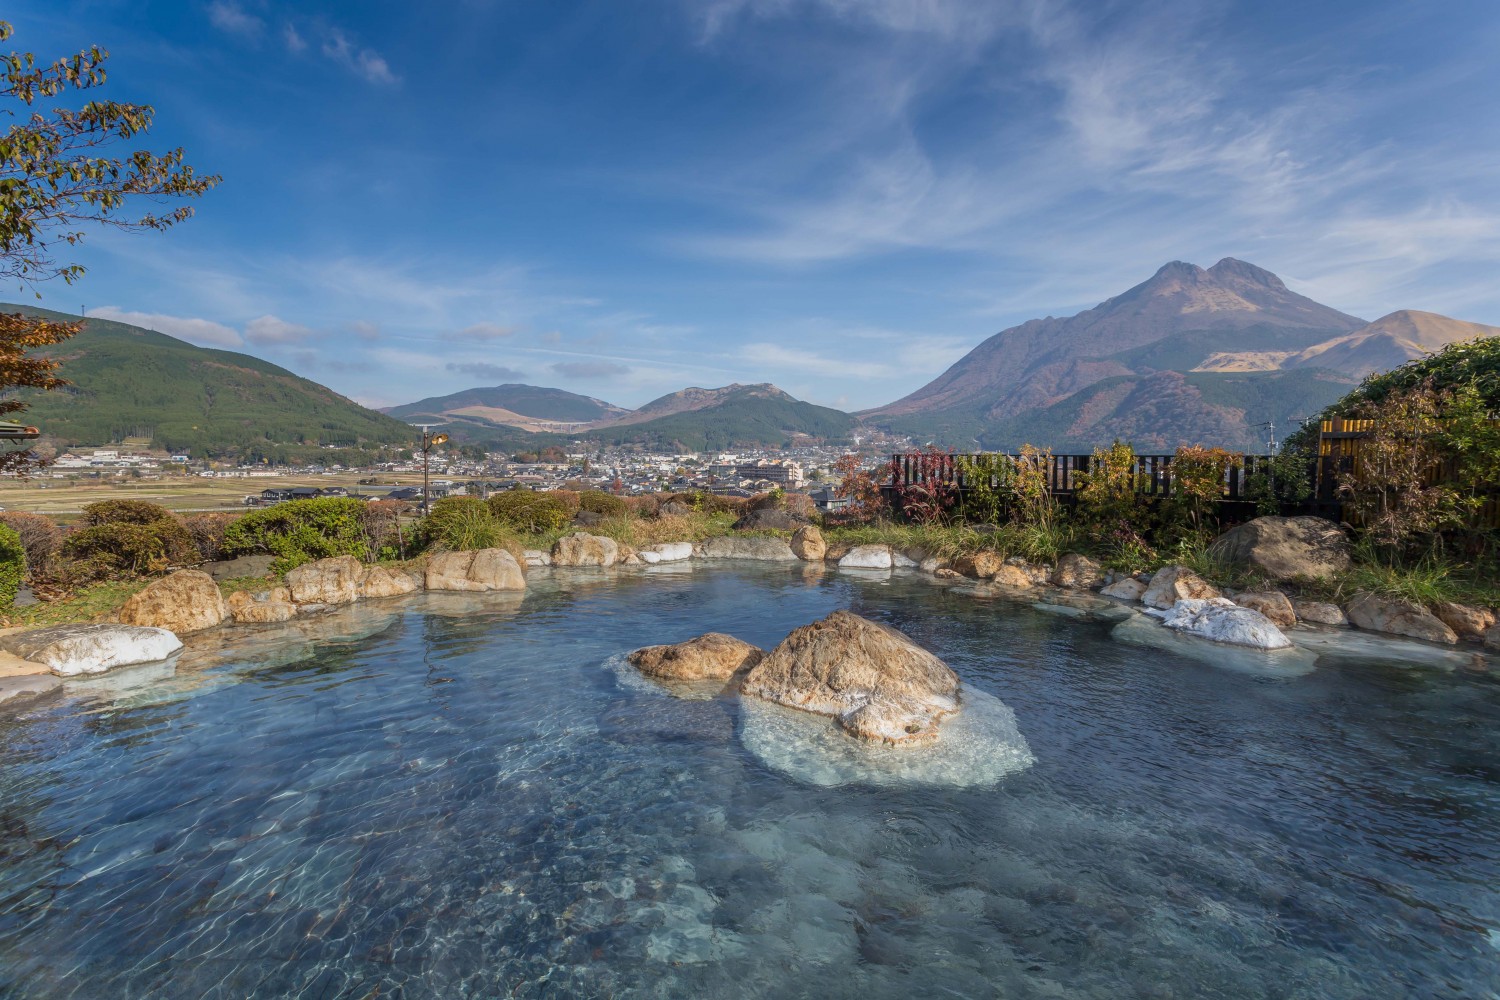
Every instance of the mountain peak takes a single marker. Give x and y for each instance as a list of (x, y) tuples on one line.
[(1178, 268), (1229, 267)]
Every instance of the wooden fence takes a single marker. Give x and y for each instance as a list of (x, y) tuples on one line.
[(1153, 473)]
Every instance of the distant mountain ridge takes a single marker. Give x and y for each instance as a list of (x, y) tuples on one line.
[(1191, 355), (526, 407)]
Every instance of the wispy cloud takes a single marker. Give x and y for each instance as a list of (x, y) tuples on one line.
[(589, 369), (231, 18), (293, 39), (484, 332), (485, 370), (203, 332), (268, 330), (365, 63)]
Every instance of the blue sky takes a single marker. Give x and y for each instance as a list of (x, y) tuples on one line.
[(626, 197)]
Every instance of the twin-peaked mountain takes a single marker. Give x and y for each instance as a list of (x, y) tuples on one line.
[(1191, 355)]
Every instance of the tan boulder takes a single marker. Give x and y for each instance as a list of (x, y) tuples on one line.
[(1177, 583), (1397, 616), (267, 606), (980, 565), (1273, 604), (186, 601), (837, 551), (711, 657), (327, 581), (480, 570), (1286, 548), (808, 543), (381, 581), (1127, 588), (582, 549), (944, 573), (1077, 572), (1012, 576), (1492, 638), (877, 683), (1466, 621), (1320, 613)]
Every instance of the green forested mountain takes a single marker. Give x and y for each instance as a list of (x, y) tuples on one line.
[(731, 417), (515, 400), (135, 383)]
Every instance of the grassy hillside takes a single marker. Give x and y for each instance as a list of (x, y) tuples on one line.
[(527, 400), (742, 420), (134, 383)]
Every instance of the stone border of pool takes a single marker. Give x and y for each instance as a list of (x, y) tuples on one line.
[(189, 601)]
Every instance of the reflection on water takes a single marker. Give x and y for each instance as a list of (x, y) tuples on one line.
[(456, 798)]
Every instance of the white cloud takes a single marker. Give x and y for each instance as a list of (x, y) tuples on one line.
[(293, 39), (367, 64), (229, 17), (269, 330), (797, 360), (203, 332), (484, 332)]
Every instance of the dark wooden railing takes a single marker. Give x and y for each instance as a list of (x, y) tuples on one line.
[(1153, 473)]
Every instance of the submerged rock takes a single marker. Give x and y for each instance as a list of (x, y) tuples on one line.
[(877, 683), (69, 650), (762, 549), (186, 601), (27, 687), (980, 746), (714, 656), (1224, 621), (481, 570), (1286, 548), (1397, 616), (1177, 583), (1146, 630)]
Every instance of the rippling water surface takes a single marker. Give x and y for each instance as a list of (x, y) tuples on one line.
[(455, 797)]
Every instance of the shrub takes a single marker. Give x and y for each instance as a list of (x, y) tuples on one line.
[(569, 499), (12, 565), (40, 537), (176, 545), (1110, 508), (599, 502), (531, 512), (1199, 476), (114, 550), (300, 531), (207, 532), (460, 524), (858, 486), (384, 534)]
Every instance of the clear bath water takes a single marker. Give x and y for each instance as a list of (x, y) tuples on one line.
[(457, 797)]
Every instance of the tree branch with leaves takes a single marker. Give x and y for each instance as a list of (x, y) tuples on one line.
[(56, 178)]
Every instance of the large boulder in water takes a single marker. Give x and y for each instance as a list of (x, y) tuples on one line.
[(1286, 548), (1224, 621), (808, 544), (187, 601), (711, 657), (768, 520), (69, 650), (762, 549), (327, 581), (877, 683), (583, 549), (480, 570)]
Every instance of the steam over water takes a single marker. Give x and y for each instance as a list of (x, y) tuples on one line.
[(458, 796)]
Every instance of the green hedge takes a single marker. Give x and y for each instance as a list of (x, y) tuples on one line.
[(107, 551), (12, 565), (173, 544), (461, 524), (599, 502), (529, 511), (300, 531)]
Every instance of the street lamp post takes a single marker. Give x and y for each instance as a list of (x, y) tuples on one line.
[(429, 442)]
